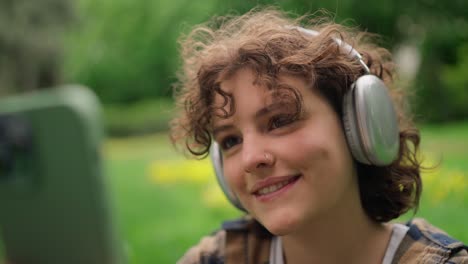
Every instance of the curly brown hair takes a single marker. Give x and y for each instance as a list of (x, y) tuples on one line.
[(265, 40)]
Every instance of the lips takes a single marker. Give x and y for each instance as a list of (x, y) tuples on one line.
[(272, 184)]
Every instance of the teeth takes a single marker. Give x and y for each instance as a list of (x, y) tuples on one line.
[(273, 188)]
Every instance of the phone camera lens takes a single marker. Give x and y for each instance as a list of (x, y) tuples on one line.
[(15, 139)]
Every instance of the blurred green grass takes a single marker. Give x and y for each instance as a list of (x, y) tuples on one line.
[(164, 204), (159, 220), (444, 200), (163, 210)]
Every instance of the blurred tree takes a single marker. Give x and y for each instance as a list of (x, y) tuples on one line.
[(30, 44), (127, 50), (455, 79), (437, 29), (444, 31)]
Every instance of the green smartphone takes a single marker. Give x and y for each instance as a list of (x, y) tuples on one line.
[(54, 206)]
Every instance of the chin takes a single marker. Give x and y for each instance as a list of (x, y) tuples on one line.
[(280, 226)]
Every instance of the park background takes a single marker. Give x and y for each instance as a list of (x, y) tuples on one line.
[(126, 51)]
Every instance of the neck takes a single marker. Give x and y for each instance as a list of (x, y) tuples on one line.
[(347, 236)]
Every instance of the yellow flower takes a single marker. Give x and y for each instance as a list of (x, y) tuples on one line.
[(180, 171), (440, 184)]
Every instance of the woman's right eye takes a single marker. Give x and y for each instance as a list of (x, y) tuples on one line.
[(230, 142)]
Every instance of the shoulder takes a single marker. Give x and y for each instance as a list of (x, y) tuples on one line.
[(238, 240), (425, 243), (209, 250)]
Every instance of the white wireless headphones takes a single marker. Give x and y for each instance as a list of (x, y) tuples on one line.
[(369, 122)]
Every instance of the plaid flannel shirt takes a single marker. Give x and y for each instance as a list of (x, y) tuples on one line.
[(246, 241)]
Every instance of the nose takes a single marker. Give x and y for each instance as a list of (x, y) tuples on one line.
[(255, 155)]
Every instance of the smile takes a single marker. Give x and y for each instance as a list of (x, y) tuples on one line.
[(275, 187)]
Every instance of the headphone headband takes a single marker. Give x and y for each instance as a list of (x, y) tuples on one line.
[(345, 47)]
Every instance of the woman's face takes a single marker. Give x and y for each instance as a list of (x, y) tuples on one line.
[(286, 172)]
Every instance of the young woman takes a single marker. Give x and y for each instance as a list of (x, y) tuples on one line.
[(313, 140)]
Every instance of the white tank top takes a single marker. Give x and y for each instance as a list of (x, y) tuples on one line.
[(398, 233)]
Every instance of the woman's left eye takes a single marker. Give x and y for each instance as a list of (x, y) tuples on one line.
[(280, 121), (230, 142)]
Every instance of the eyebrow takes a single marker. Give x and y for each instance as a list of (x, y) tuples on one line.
[(268, 109), (259, 114), (222, 128)]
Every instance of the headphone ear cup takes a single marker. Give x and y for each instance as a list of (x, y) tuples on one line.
[(370, 122), (350, 127), (217, 161)]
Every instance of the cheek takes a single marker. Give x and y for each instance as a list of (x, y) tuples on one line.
[(324, 149), (306, 147), (233, 174), (235, 178)]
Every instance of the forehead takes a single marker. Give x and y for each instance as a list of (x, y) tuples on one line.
[(245, 92), (245, 84), (241, 90)]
